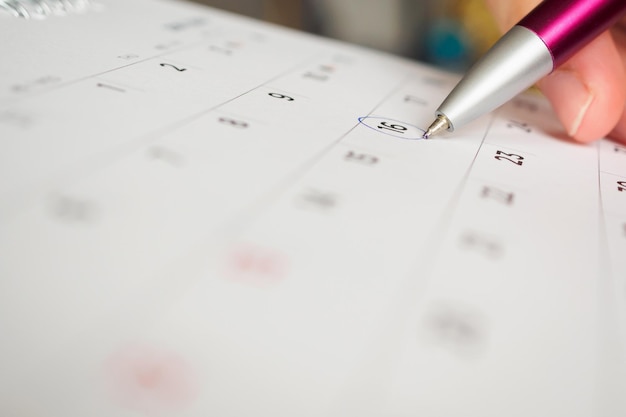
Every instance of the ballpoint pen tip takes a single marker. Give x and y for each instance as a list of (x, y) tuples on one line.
[(440, 124)]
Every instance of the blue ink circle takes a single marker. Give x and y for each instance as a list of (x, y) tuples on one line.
[(392, 127)]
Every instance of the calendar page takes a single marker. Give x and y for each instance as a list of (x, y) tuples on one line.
[(203, 214)]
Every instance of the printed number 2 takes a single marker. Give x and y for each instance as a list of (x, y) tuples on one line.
[(621, 186), (173, 66), (511, 157)]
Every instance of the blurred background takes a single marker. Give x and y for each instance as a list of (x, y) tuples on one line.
[(447, 33)]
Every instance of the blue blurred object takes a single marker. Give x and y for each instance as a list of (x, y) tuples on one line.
[(447, 45)]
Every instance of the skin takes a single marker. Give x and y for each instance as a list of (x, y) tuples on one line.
[(588, 92)]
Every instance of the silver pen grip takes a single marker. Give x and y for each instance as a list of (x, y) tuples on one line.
[(517, 61)]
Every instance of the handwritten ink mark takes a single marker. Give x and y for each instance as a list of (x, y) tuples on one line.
[(390, 127)]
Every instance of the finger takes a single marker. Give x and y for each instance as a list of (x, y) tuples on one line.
[(619, 35), (619, 133), (589, 91)]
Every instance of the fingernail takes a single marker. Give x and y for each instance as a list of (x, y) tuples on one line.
[(571, 96)]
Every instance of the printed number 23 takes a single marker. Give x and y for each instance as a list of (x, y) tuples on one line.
[(511, 157)]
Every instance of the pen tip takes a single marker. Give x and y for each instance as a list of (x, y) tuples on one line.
[(440, 124)]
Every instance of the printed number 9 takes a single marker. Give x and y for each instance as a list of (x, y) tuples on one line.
[(281, 96)]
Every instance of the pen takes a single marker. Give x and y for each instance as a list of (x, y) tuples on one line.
[(543, 40)]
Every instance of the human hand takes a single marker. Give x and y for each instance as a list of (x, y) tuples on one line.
[(588, 92)]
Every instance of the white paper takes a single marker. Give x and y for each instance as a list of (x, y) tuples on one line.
[(203, 214)]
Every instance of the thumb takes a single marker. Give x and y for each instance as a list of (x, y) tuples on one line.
[(587, 91)]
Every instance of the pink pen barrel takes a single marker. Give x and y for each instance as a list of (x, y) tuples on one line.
[(567, 25)]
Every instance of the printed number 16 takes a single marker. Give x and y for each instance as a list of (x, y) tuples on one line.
[(392, 127)]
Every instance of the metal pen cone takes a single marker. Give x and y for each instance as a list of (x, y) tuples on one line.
[(440, 124)]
